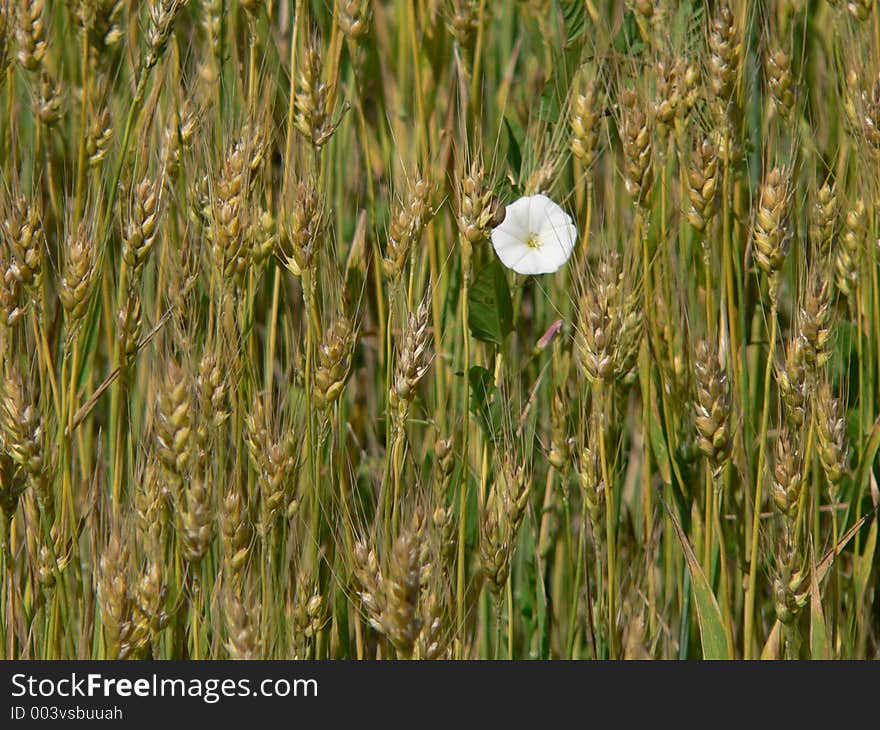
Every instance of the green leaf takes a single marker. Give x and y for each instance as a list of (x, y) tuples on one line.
[(550, 104), (567, 58), (543, 622), (675, 461), (687, 25), (844, 353), (515, 139), (773, 644), (819, 647), (864, 563), (627, 39), (712, 634), (490, 310), (866, 464), (574, 18), (655, 433), (485, 406), (89, 339), (867, 461), (526, 591)]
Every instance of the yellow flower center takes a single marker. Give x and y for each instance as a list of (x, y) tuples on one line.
[(533, 241)]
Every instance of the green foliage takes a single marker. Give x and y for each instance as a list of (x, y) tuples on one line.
[(712, 635), (490, 309), (486, 403)]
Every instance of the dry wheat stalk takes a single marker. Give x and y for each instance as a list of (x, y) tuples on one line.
[(162, 14), (610, 327), (113, 589), (99, 137), (405, 228), (242, 621), (584, 119), (592, 486), (560, 441), (413, 360), (670, 72), (7, 21), (781, 82), (315, 98), (725, 51), (500, 522), (860, 9), (174, 422), (851, 248), (78, 276), (354, 18), (236, 534), (786, 490), (334, 363), (478, 211), (308, 613), (25, 439), (274, 460), (229, 209), (814, 319), (303, 230), (149, 616), (48, 103), (21, 224), (195, 529), (30, 33), (398, 598), (771, 233), (703, 183), (831, 441), (823, 220), (461, 20), (712, 405), (637, 141), (791, 379)]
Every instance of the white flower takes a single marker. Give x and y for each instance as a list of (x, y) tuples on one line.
[(536, 236)]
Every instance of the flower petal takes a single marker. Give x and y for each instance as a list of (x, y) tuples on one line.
[(510, 248), (556, 246), (543, 212), (560, 239), (538, 219), (532, 263), (516, 219), (554, 218)]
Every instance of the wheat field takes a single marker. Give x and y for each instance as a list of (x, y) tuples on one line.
[(268, 390)]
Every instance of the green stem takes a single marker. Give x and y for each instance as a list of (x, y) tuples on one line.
[(752, 548), (463, 485), (610, 521), (84, 129)]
